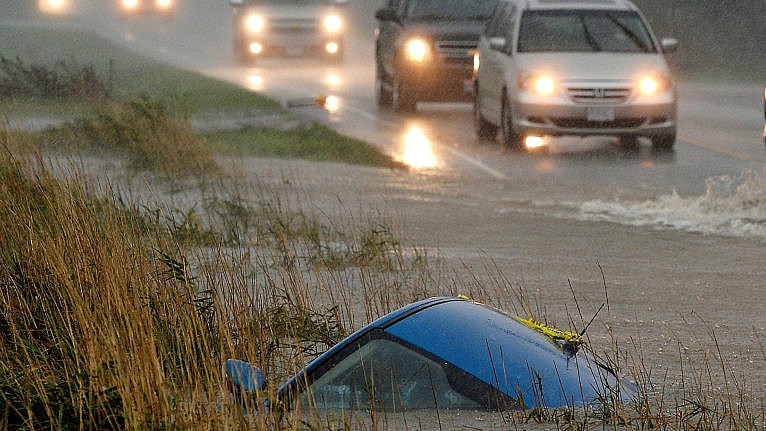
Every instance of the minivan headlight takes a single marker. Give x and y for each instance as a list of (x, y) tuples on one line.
[(541, 84), (417, 50), (652, 84)]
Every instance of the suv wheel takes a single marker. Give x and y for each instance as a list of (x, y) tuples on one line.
[(664, 142), (511, 139), (383, 95), (483, 128), (403, 97)]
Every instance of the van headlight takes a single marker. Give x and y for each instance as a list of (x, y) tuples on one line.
[(333, 23), (417, 50), (254, 23)]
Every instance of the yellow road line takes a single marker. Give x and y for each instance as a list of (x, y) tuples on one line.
[(725, 152)]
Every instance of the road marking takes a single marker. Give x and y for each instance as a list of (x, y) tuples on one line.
[(723, 151)]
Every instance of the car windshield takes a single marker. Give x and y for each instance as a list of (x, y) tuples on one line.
[(584, 31), (451, 9)]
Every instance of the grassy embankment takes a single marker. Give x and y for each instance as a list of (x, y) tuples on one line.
[(117, 86), (114, 314)]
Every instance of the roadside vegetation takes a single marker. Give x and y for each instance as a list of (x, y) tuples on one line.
[(109, 99)]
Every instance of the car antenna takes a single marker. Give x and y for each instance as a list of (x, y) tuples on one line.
[(592, 319)]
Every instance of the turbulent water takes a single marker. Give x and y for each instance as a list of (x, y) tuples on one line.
[(731, 205)]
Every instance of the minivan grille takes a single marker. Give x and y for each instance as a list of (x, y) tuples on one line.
[(593, 94)]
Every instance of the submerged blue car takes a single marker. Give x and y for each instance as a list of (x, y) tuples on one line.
[(447, 353)]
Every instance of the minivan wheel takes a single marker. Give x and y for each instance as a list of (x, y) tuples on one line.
[(403, 97), (511, 139), (483, 128), (383, 95), (664, 142)]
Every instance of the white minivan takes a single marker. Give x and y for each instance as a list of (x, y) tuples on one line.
[(573, 67)]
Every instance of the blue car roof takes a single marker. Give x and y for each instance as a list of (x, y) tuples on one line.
[(497, 349)]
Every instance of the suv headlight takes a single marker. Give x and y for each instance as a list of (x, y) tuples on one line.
[(333, 23), (417, 50), (254, 23)]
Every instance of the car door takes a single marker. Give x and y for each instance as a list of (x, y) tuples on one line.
[(490, 75)]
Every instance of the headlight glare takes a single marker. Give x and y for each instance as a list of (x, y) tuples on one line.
[(333, 24), (255, 23), (417, 50), (164, 4)]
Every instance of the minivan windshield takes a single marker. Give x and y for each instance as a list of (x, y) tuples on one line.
[(584, 31), (451, 9)]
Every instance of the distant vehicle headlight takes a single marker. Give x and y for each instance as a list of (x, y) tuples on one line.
[(53, 6), (333, 23), (129, 4), (543, 85), (164, 4), (417, 50), (255, 23)]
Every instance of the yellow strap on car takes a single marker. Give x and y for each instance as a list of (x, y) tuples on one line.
[(571, 338)]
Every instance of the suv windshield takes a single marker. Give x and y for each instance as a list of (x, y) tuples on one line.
[(451, 9), (584, 31)]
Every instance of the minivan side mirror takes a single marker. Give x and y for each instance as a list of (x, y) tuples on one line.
[(385, 15), (669, 45), (497, 43)]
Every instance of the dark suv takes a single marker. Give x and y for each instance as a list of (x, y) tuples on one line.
[(424, 50)]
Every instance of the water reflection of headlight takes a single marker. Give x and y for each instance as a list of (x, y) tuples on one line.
[(333, 80), (255, 82), (54, 7), (418, 152), (332, 104)]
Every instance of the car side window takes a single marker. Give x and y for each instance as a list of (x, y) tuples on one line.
[(384, 375)]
